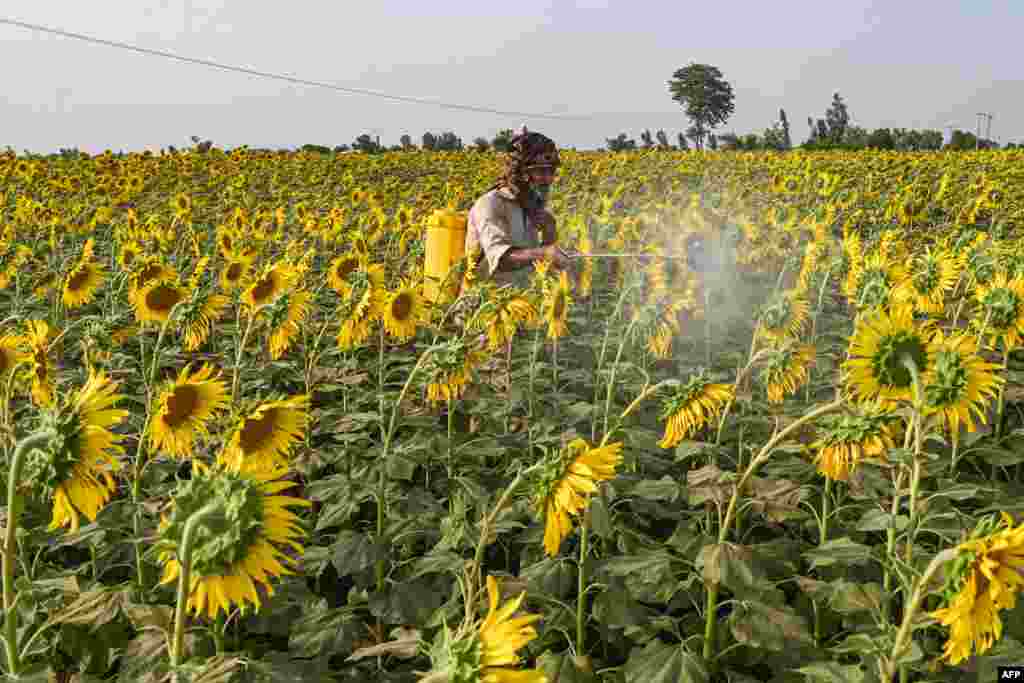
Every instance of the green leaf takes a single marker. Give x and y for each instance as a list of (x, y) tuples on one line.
[(353, 552), (563, 668), (656, 566), (879, 520), (772, 628), (659, 662), (689, 449), (321, 630), (409, 602), (847, 597), (551, 576), (616, 608), (1000, 456), (831, 672), (838, 551), (665, 488)]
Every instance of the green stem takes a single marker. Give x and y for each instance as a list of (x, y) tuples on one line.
[(1001, 403), (615, 367), (581, 587), (826, 511), (890, 548), (24, 447), (600, 359), (238, 357), (185, 579)]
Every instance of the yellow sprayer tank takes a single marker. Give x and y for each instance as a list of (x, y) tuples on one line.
[(446, 244)]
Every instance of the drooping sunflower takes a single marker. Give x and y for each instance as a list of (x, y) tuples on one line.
[(11, 355), (1002, 310), (403, 309), (155, 301), (77, 468), (450, 369), (692, 405), (285, 320), (556, 307), (933, 276), (983, 579), (339, 270), (784, 318), (129, 253), (787, 369), (184, 409), (882, 341), (509, 309), (267, 433), (361, 305), (244, 541), (847, 439), (39, 369), (569, 476), (961, 383), (873, 282)]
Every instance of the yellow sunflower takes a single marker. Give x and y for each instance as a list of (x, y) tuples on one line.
[(155, 301), (848, 439), (339, 270), (570, 476), (961, 383), (403, 309), (11, 355), (128, 255), (274, 281), (873, 282), (556, 307), (147, 272), (198, 316), (77, 468), (266, 434), (81, 284), (508, 311), (184, 409), (934, 275), (286, 317), (787, 369), (39, 371), (1002, 309), (692, 406), (501, 636), (983, 579), (784, 318), (234, 271), (449, 370), (249, 539), (881, 342)]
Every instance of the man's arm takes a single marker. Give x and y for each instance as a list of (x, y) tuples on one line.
[(516, 258)]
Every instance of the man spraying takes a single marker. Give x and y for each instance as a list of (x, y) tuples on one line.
[(509, 224)]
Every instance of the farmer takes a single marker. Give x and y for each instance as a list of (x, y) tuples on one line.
[(509, 225)]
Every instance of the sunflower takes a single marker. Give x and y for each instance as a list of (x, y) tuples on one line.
[(882, 341), (983, 579), (787, 370), (509, 309), (267, 433), (286, 317), (449, 370), (339, 270), (11, 355), (556, 305), (82, 282), (234, 271), (147, 272), (402, 310), (76, 467), (40, 369), (182, 205), (243, 544), (692, 406), (155, 301), (184, 408), (128, 254), (1002, 309), (961, 383), (568, 478), (269, 285), (785, 317), (361, 306), (933, 276), (659, 322), (872, 282), (848, 439)]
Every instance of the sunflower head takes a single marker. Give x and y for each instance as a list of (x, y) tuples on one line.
[(690, 406), (845, 440), (266, 432), (883, 344)]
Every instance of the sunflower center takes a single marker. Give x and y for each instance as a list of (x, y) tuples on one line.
[(78, 279), (181, 405), (264, 289), (258, 431), (162, 298), (148, 273), (888, 362), (401, 306), (344, 267), (234, 271)]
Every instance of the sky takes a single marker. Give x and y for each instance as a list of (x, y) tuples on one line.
[(898, 63)]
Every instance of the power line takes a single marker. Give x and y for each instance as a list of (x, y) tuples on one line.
[(289, 79)]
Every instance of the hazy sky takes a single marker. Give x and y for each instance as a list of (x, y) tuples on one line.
[(908, 63)]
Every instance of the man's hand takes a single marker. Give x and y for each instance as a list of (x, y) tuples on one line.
[(558, 258), (545, 222)]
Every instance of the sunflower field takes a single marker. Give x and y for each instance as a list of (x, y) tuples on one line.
[(243, 441)]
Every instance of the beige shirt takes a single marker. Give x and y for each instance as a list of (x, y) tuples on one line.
[(496, 224)]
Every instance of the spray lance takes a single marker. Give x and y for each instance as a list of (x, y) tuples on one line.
[(696, 256)]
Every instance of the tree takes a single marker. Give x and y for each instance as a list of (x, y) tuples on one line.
[(881, 138), (663, 142), (365, 143), (482, 144), (712, 142), (646, 139), (405, 141), (429, 141), (787, 141), (962, 140), (448, 141), (837, 118), (682, 142), (620, 143), (729, 141), (341, 148), (705, 96), (502, 141)]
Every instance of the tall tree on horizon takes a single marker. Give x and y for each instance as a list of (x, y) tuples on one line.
[(706, 97)]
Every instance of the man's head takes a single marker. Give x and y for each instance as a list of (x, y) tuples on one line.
[(531, 167)]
